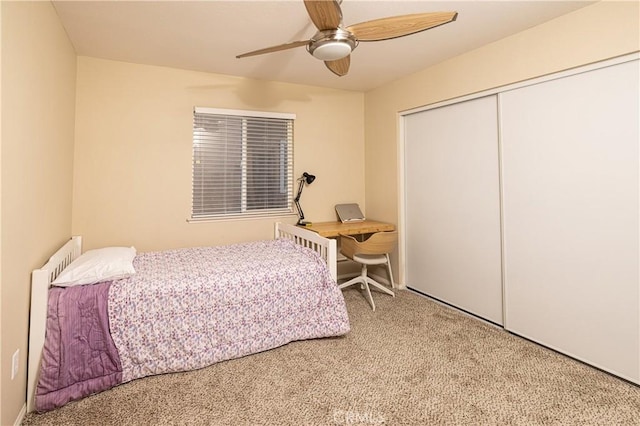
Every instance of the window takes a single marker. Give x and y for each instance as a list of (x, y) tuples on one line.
[(242, 163)]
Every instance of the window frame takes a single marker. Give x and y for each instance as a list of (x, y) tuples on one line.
[(289, 160)]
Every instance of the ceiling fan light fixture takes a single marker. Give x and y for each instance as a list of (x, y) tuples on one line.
[(331, 50), (331, 45)]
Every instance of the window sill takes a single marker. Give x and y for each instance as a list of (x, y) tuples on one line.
[(241, 218)]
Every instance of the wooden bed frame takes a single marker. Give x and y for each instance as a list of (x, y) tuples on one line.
[(41, 280)]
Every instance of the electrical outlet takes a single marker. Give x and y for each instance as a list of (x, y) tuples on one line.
[(15, 364)]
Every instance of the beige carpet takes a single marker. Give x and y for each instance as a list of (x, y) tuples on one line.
[(411, 362)]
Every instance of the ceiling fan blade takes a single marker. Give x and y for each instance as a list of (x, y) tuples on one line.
[(339, 67), (398, 26), (275, 48), (325, 14)]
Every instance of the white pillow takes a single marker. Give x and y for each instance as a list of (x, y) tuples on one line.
[(98, 265)]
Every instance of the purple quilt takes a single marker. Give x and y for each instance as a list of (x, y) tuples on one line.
[(186, 309), (79, 357)]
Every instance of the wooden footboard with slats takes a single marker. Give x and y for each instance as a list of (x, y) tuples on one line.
[(325, 247)]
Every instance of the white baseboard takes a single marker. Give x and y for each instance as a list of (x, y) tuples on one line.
[(381, 279), (21, 414)]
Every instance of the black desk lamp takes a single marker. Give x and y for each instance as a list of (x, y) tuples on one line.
[(306, 178)]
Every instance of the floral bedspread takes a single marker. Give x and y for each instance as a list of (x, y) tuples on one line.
[(188, 308), (182, 310)]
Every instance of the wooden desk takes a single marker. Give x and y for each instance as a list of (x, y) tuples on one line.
[(334, 229)]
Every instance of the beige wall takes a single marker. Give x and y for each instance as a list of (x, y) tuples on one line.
[(600, 31), (132, 175), (38, 100), (1, 357)]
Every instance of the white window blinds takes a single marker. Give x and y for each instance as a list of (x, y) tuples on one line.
[(242, 163)]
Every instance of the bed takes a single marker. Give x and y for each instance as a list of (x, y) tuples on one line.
[(182, 310)]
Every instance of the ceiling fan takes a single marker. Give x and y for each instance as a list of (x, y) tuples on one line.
[(333, 43)]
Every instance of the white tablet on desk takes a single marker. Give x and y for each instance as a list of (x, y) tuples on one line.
[(349, 212)]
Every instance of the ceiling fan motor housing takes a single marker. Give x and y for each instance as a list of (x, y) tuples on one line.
[(331, 45)]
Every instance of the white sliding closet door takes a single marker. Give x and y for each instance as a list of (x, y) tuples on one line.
[(571, 216), (452, 206)]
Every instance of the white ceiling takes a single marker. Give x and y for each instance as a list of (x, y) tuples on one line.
[(207, 35)]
